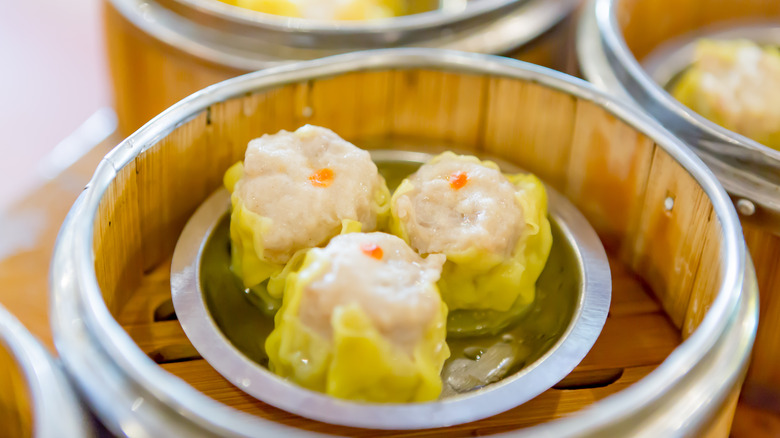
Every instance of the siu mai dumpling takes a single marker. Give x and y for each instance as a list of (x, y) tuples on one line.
[(492, 228), (363, 320), (735, 84), (295, 191)]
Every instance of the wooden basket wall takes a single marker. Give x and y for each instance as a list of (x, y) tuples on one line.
[(16, 413), (665, 262), (646, 24), (149, 76)]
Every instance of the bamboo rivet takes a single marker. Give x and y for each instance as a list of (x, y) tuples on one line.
[(745, 207), (668, 203)]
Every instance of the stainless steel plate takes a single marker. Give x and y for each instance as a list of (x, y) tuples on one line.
[(585, 269)]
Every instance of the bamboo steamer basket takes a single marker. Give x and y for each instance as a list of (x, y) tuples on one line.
[(615, 36), (36, 398), (162, 50), (669, 362)]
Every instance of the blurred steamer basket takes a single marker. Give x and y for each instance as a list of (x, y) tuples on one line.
[(162, 50), (36, 398), (674, 349), (629, 48)]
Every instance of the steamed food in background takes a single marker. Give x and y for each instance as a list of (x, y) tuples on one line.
[(327, 9), (363, 315), (735, 84)]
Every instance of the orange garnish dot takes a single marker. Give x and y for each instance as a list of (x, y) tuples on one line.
[(321, 178), (372, 250), (458, 180)]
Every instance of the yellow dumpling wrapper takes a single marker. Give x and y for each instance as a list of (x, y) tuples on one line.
[(336, 10), (246, 237), (276, 7), (370, 10), (735, 84), (482, 289), (358, 363)]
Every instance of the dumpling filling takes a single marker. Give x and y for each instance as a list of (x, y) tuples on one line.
[(383, 276), (457, 205), (493, 229), (363, 319), (296, 190), (735, 84)]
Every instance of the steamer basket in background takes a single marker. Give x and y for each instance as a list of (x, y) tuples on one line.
[(618, 45), (162, 50), (36, 398), (671, 357)]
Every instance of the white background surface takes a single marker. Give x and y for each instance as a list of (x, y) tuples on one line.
[(53, 76)]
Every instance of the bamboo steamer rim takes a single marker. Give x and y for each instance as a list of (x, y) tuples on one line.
[(213, 35), (55, 408), (73, 267), (429, 19), (607, 20), (744, 166)]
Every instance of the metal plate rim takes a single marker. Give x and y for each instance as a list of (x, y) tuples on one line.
[(580, 335)]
